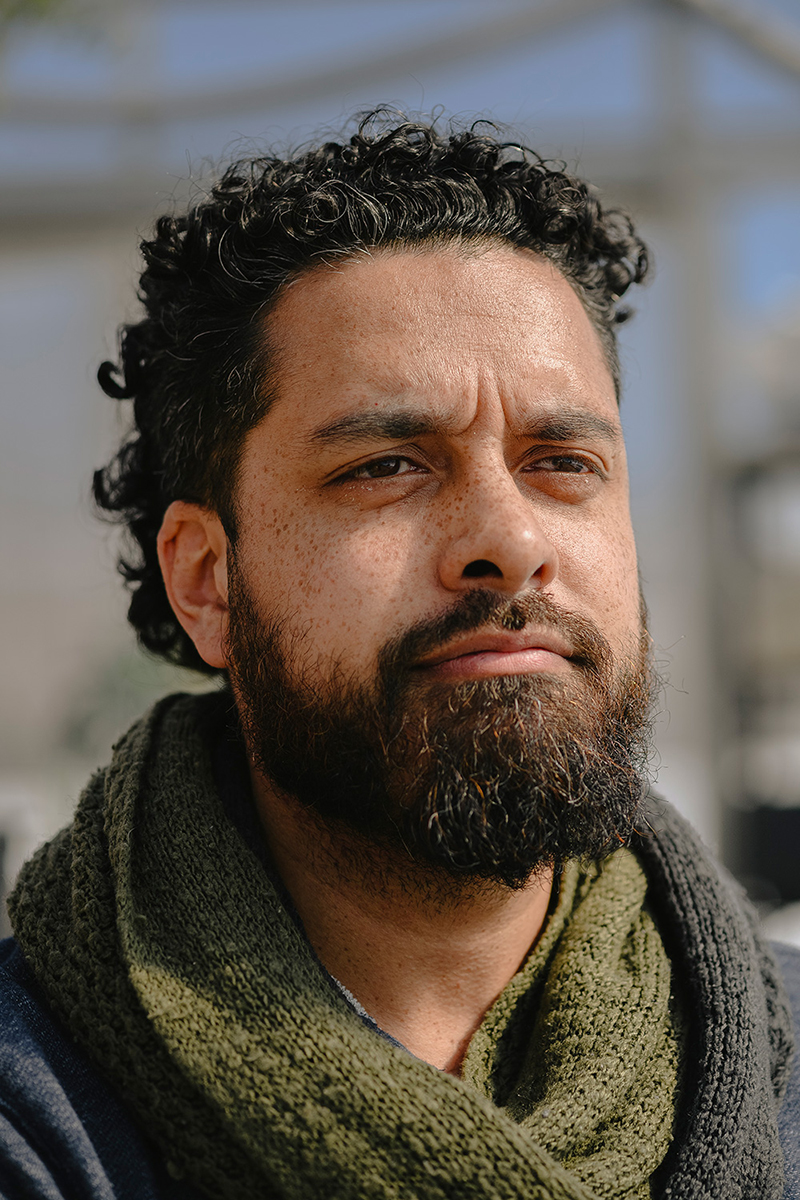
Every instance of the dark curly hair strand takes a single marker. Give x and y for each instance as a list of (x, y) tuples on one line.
[(197, 366)]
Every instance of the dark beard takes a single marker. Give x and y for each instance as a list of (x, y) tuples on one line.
[(490, 779)]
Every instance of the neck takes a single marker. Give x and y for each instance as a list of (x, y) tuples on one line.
[(426, 954)]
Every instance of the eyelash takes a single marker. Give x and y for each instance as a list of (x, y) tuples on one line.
[(565, 458), (587, 467), (354, 474)]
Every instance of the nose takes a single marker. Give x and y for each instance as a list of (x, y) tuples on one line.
[(494, 538)]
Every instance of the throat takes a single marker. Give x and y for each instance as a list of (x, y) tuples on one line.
[(423, 953), (435, 1034)]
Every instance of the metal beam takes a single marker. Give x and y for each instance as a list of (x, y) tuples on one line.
[(775, 40), (456, 46)]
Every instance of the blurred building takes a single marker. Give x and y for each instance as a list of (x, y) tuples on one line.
[(685, 111)]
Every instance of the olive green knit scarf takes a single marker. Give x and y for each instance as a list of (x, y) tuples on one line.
[(161, 943)]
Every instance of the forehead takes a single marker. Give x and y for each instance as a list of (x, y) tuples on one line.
[(434, 327)]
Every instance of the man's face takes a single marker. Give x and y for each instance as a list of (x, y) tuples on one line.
[(437, 503)]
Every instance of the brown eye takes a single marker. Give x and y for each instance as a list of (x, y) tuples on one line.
[(382, 468), (571, 478), (563, 463)]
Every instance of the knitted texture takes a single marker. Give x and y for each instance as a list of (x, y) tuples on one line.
[(740, 1033), (161, 943)]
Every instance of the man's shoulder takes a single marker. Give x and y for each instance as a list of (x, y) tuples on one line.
[(63, 1132)]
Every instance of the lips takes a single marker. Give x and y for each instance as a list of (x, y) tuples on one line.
[(500, 653)]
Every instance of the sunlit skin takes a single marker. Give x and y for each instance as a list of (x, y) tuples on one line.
[(444, 421)]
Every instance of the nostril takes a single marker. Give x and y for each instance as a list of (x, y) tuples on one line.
[(480, 567)]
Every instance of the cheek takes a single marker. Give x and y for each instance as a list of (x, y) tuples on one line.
[(346, 591), (598, 566)]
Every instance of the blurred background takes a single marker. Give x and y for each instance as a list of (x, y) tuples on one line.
[(687, 112)]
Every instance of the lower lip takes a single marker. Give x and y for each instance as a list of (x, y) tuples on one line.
[(496, 662)]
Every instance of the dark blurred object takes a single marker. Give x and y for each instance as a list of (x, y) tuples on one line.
[(762, 634), (771, 838)]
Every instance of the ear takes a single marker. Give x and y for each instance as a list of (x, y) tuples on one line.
[(192, 551)]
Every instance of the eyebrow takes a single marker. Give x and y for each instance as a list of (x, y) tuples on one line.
[(398, 425), (564, 426), (402, 425)]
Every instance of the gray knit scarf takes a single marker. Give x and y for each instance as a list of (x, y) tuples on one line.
[(162, 945)]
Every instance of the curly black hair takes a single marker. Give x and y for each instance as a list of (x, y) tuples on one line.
[(197, 366)]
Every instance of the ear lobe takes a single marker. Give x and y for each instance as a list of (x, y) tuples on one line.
[(192, 551)]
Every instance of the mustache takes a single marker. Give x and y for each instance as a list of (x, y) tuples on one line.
[(487, 609)]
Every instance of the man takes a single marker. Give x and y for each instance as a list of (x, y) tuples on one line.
[(390, 914)]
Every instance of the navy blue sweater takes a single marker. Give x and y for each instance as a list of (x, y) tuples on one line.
[(64, 1135)]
